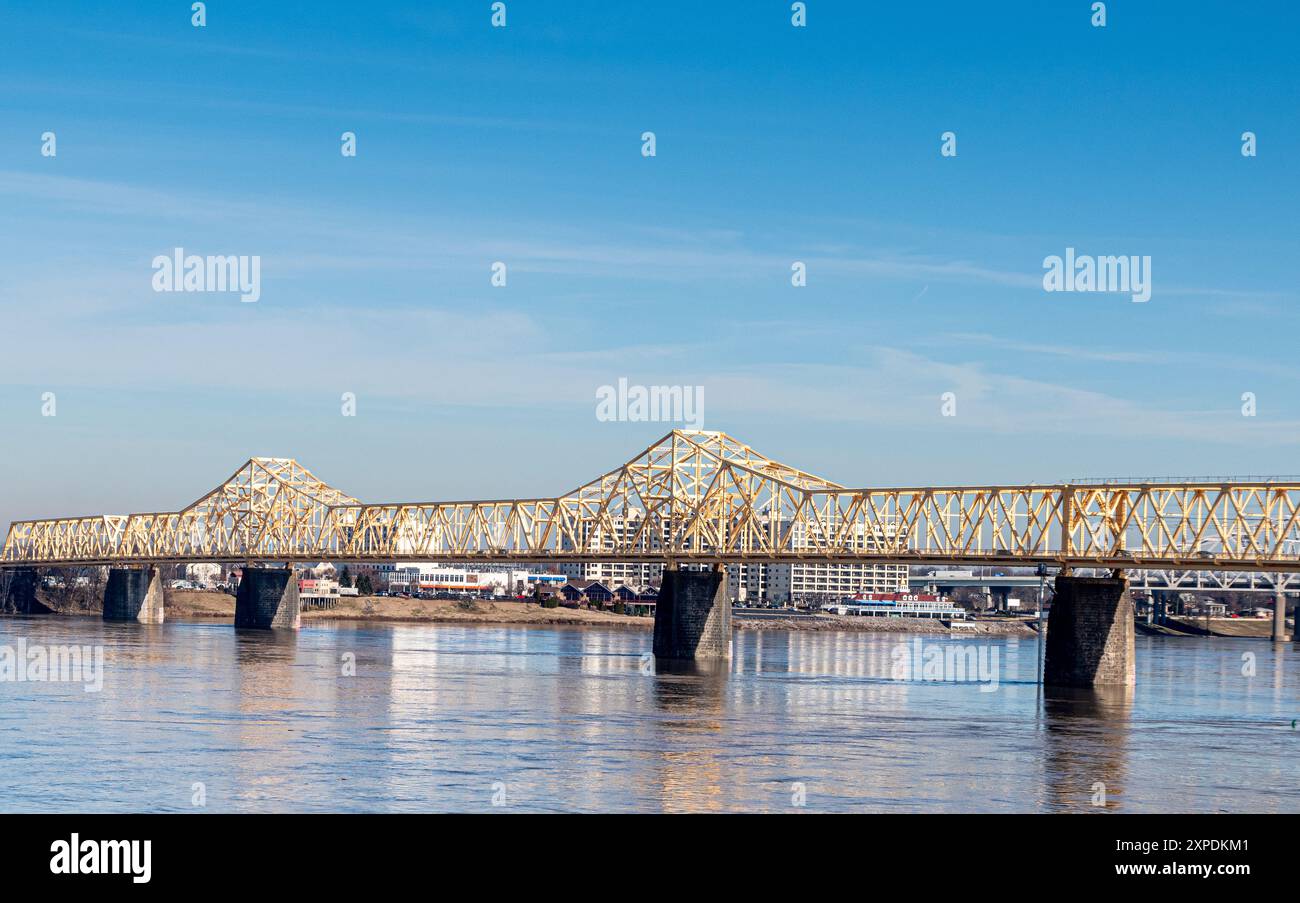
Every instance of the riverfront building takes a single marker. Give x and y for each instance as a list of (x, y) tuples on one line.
[(613, 574), (813, 584), (322, 592), (622, 530), (898, 605), (816, 583), (757, 583), (416, 577)]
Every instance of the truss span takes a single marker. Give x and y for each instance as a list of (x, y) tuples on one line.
[(701, 496)]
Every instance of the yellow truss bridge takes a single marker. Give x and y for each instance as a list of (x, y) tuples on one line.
[(698, 496)]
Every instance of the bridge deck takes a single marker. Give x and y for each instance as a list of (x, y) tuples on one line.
[(700, 497)]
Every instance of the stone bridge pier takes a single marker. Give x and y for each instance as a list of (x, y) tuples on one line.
[(1279, 618), (268, 599), (693, 616), (19, 597), (1090, 634), (134, 594)]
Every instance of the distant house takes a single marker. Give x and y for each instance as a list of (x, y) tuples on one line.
[(592, 591), (637, 593), (638, 601)]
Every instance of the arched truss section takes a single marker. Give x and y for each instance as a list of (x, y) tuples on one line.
[(701, 496)]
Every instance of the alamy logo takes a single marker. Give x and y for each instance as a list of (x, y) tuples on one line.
[(53, 664), (102, 857), (183, 272), (680, 404), (1083, 273), (949, 662)]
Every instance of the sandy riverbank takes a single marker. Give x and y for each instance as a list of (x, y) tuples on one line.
[(184, 605), (191, 605)]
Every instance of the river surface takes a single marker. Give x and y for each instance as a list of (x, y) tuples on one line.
[(195, 717)]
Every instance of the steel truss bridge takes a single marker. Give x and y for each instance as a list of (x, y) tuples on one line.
[(1217, 581), (703, 497), (1148, 580)]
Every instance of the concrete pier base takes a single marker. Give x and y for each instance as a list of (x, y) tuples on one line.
[(134, 594), (1279, 619), (268, 599), (1090, 634), (20, 592), (693, 616)]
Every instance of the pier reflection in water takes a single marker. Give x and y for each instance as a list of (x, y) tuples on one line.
[(690, 699), (1085, 747), (436, 718)]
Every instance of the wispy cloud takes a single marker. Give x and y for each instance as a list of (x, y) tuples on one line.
[(1144, 356)]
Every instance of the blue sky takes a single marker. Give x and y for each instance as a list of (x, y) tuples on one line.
[(522, 144)]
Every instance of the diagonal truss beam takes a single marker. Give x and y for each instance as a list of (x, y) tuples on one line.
[(701, 496)]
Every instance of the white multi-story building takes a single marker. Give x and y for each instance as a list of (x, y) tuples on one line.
[(779, 583), (424, 577), (785, 583), (794, 583), (613, 574)]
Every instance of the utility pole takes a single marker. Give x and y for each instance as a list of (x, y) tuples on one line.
[(1042, 639), (1279, 614)]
